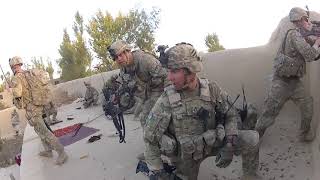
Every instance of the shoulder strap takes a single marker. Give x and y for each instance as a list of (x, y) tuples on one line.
[(284, 41)]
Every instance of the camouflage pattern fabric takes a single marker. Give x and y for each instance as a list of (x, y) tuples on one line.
[(146, 107), (290, 88), (138, 108), (177, 114), (148, 71), (49, 141), (297, 48), (35, 81), (50, 110), (151, 79), (91, 96), (281, 91), (249, 123), (15, 121), (297, 13), (34, 113)]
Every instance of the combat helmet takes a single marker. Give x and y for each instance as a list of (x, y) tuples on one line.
[(15, 60), (297, 13), (117, 48), (184, 55)]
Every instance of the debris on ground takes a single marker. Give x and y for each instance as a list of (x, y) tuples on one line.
[(94, 138)]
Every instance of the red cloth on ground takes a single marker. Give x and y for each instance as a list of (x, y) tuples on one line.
[(66, 130)]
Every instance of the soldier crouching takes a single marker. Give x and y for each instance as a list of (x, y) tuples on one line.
[(188, 123)]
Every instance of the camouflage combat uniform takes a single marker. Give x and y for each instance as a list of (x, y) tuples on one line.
[(26, 100), (176, 127), (147, 70), (50, 110), (91, 96), (15, 121), (284, 88)]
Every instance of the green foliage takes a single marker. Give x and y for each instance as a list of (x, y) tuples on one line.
[(38, 63), (75, 55), (50, 69), (137, 27), (42, 63), (212, 42)]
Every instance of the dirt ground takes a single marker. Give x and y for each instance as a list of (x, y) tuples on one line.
[(9, 148)]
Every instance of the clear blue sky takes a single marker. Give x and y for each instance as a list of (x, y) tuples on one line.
[(35, 27)]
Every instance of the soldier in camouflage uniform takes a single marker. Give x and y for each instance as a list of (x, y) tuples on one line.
[(91, 96), (50, 110), (113, 84), (15, 121), (110, 87), (183, 124), (286, 87), (26, 98), (146, 69)]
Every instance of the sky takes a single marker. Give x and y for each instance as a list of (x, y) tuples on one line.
[(34, 28)]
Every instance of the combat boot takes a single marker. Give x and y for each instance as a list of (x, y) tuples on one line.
[(47, 153), (62, 158), (307, 136)]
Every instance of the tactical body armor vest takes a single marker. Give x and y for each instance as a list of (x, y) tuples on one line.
[(188, 122)]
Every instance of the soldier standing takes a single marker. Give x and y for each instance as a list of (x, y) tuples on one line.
[(187, 124), (288, 85), (145, 69), (91, 96), (30, 91), (15, 121)]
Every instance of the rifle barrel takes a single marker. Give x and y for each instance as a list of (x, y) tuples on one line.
[(4, 75)]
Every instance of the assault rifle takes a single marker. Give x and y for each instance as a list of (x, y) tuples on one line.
[(315, 31), (4, 76), (111, 108), (163, 57), (118, 101)]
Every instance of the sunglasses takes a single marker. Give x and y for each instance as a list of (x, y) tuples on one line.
[(305, 19)]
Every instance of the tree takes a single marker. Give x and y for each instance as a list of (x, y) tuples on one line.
[(137, 27), (67, 60), (75, 56), (212, 42), (82, 53), (39, 63), (50, 69)]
